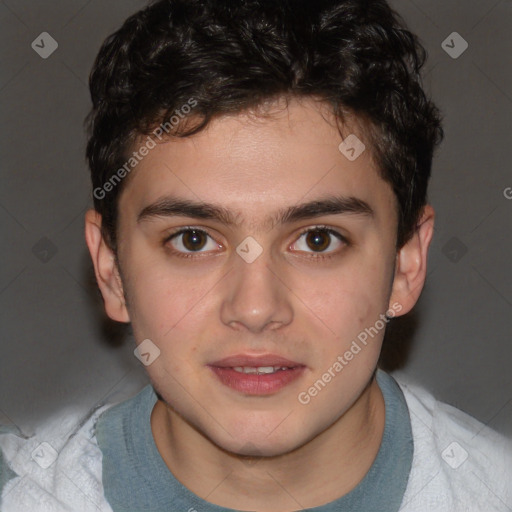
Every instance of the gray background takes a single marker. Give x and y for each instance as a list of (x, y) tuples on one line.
[(58, 350)]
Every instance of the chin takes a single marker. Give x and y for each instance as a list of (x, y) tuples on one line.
[(263, 442), (259, 448)]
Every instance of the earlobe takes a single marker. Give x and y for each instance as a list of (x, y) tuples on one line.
[(411, 263), (105, 269)]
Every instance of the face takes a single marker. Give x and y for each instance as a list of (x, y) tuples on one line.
[(286, 268)]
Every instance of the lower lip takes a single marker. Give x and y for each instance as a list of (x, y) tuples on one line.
[(253, 384)]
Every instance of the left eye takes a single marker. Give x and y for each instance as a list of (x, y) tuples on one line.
[(319, 240), (192, 240)]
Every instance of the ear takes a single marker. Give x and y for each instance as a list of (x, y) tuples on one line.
[(105, 268), (411, 264)]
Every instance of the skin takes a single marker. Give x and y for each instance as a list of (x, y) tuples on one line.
[(289, 301)]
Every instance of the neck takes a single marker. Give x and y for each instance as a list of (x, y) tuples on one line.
[(324, 469)]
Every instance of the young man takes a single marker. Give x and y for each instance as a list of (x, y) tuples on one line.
[(259, 176)]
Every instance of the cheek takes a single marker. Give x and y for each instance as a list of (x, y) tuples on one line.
[(346, 299), (350, 308), (160, 295)]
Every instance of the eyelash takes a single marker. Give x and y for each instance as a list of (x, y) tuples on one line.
[(314, 256), (329, 231)]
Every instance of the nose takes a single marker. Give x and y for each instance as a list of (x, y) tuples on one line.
[(256, 297)]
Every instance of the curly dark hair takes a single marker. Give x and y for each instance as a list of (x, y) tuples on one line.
[(232, 56)]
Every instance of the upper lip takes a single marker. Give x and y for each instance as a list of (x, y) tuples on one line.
[(255, 361)]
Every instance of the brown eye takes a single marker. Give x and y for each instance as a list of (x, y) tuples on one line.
[(192, 240), (318, 240)]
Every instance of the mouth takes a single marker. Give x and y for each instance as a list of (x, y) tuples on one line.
[(256, 375)]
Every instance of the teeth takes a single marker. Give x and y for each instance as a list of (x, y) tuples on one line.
[(259, 369)]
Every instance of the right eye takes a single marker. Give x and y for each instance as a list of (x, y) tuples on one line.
[(191, 240)]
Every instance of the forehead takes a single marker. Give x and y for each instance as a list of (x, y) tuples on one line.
[(254, 164)]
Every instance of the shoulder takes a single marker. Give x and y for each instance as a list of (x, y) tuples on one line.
[(57, 469), (60, 468), (459, 463)]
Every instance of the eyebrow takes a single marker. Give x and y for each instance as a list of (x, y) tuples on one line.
[(332, 205)]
